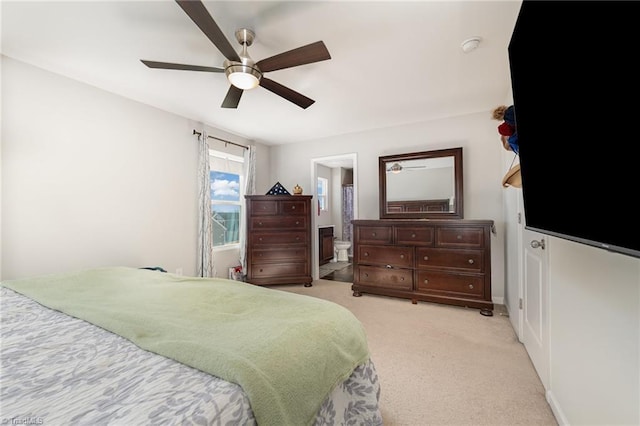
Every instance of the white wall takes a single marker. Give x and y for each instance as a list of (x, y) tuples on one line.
[(483, 169), (92, 179), (594, 339)]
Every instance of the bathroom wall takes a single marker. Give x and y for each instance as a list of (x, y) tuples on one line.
[(324, 217)]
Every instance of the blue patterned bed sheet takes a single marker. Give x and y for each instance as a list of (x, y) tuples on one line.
[(59, 370)]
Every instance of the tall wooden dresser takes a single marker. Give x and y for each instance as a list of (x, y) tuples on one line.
[(443, 261), (279, 239)]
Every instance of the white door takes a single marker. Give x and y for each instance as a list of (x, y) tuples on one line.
[(535, 311)]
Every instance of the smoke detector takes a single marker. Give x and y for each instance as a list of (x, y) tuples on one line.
[(470, 44)]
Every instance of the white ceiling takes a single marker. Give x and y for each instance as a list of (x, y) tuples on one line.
[(392, 62)]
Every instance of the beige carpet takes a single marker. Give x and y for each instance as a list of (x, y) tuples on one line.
[(443, 365)]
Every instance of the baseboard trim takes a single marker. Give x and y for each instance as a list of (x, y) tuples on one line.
[(555, 408), (498, 300)]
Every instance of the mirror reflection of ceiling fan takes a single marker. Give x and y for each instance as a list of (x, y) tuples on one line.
[(243, 72), (397, 168)]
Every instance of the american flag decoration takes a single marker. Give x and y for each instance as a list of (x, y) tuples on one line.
[(278, 189)]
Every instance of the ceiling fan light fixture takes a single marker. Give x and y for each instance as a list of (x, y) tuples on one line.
[(242, 76), (395, 168), (242, 72)]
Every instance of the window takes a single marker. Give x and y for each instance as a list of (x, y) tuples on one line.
[(226, 197), (323, 185)]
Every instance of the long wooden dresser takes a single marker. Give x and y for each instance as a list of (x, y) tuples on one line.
[(444, 261), (279, 239)]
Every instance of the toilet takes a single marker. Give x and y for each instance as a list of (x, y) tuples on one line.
[(341, 247)]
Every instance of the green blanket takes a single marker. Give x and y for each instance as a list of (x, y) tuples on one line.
[(287, 351)]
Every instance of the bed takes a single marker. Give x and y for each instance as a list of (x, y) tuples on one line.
[(128, 346)]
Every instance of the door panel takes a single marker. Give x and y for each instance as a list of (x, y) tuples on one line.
[(535, 327)]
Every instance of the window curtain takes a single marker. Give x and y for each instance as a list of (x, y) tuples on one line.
[(205, 236), (249, 189)]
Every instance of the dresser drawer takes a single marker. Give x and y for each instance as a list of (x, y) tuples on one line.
[(466, 260), (279, 270), (268, 238), (397, 279), (373, 234), (423, 236), (264, 207), (279, 222), (397, 256), (433, 282), (287, 254), (453, 236), (294, 207)]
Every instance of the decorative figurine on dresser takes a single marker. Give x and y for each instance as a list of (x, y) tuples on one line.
[(426, 255), (279, 239)]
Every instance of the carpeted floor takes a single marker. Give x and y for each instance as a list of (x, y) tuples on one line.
[(443, 365)]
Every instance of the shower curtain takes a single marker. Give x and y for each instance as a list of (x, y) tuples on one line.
[(347, 215)]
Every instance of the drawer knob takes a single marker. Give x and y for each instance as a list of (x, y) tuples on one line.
[(401, 278), (426, 281), (471, 286), (366, 253), (426, 258), (459, 237), (293, 207), (413, 235), (402, 256), (366, 275), (373, 234), (260, 269), (388, 266), (297, 238), (260, 239), (260, 223), (471, 262), (297, 222)]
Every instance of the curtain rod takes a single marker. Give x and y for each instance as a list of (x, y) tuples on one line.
[(221, 140)]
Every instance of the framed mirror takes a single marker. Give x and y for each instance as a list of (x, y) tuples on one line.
[(421, 185)]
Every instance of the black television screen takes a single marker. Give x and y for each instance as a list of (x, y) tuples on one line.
[(575, 78)]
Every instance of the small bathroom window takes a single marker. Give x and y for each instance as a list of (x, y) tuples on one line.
[(323, 193)]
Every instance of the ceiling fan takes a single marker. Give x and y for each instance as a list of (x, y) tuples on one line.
[(397, 168), (243, 72)]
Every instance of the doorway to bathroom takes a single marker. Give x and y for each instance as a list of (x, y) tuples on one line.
[(334, 183)]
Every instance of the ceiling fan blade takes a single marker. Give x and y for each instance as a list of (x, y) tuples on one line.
[(290, 95), (199, 14), (308, 54), (172, 66), (233, 97)]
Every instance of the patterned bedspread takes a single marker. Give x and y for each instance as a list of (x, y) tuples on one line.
[(56, 369)]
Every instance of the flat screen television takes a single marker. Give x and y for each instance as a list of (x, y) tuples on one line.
[(575, 78)]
